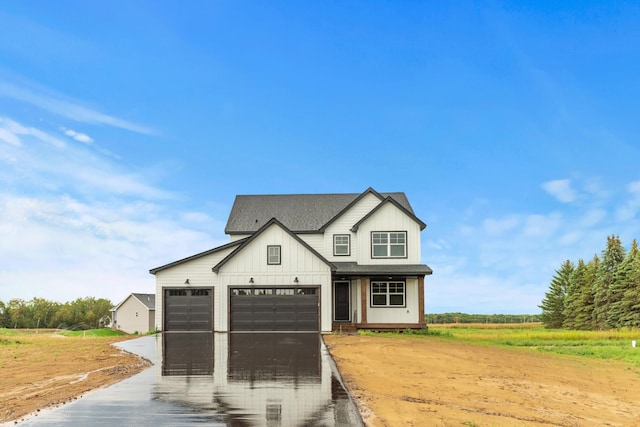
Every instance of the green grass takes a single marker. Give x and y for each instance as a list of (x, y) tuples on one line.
[(93, 333), (610, 345)]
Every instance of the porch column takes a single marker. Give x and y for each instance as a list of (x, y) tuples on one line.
[(421, 300), (364, 283)]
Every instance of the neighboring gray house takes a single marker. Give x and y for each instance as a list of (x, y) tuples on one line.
[(302, 262), (136, 313)]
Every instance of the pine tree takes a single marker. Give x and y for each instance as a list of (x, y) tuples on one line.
[(630, 304), (574, 291), (584, 309), (622, 283), (553, 304), (612, 256)]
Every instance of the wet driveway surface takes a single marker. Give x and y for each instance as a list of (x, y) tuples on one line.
[(219, 379)]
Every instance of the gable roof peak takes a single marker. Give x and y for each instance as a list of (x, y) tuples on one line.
[(248, 240), (300, 213)]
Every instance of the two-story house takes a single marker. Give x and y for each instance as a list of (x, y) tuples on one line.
[(302, 262)]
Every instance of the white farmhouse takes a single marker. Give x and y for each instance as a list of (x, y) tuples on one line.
[(302, 262)]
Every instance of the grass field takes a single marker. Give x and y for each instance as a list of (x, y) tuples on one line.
[(613, 344)]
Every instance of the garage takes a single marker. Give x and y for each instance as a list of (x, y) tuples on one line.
[(188, 310), (274, 309)]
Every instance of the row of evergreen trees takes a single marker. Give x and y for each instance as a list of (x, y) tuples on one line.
[(81, 313), (601, 294)]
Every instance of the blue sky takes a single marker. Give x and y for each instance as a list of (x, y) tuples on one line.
[(127, 129)]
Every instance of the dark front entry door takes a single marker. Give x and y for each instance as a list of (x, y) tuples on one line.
[(341, 306)]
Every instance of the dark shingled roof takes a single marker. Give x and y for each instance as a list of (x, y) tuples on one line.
[(147, 299), (352, 268), (299, 213), (196, 256)]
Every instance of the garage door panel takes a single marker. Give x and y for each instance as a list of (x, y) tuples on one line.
[(188, 309), (274, 309)]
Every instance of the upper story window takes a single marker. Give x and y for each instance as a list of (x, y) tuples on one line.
[(341, 245), (389, 244), (273, 255)]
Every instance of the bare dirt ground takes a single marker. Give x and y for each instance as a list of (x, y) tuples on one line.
[(45, 370), (426, 381)]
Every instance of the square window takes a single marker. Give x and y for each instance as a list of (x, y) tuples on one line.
[(273, 255), (341, 245), (389, 244), (388, 294)]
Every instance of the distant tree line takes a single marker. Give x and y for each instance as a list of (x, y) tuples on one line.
[(480, 318), (83, 313), (601, 294)]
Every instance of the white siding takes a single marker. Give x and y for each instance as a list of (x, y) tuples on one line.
[(343, 225), (296, 261), (133, 316), (389, 218), (199, 273), (408, 314)]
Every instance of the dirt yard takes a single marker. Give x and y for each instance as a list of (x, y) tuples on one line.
[(426, 381), (43, 370), (422, 381)]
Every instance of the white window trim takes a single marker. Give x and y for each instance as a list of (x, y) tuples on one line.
[(388, 294), (389, 244), (348, 244), (279, 254)]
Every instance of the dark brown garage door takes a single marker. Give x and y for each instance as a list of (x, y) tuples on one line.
[(274, 309), (188, 310)]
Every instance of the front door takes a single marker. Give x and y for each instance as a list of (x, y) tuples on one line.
[(341, 303)]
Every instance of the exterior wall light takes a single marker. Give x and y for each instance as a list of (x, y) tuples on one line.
[(251, 280)]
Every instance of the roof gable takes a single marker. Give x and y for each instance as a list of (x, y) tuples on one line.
[(300, 213), (248, 240), (196, 256), (148, 300), (410, 214)]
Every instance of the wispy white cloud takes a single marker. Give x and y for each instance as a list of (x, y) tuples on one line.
[(9, 137), (74, 223), (68, 108), (629, 210), (560, 189), (62, 247), (11, 131), (81, 137), (55, 165), (504, 264)]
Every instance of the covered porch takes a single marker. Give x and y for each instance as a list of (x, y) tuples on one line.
[(378, 297)]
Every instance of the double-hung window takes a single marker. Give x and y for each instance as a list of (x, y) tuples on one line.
[(341, 245), (388, 294), (273, 255), (389, 244)]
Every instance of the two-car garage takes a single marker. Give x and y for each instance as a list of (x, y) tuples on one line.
[(250, 309)]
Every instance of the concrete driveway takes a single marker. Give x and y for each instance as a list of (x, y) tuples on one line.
[(239, 379)]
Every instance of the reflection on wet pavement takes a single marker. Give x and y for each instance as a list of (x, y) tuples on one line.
[(239, 379), (187, 354)]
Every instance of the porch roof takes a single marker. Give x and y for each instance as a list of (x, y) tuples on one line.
[(355, 269)]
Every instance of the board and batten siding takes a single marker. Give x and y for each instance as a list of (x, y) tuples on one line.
[(389, 218), (199, 273), (296, 261), (343, 225), (408, 314)]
